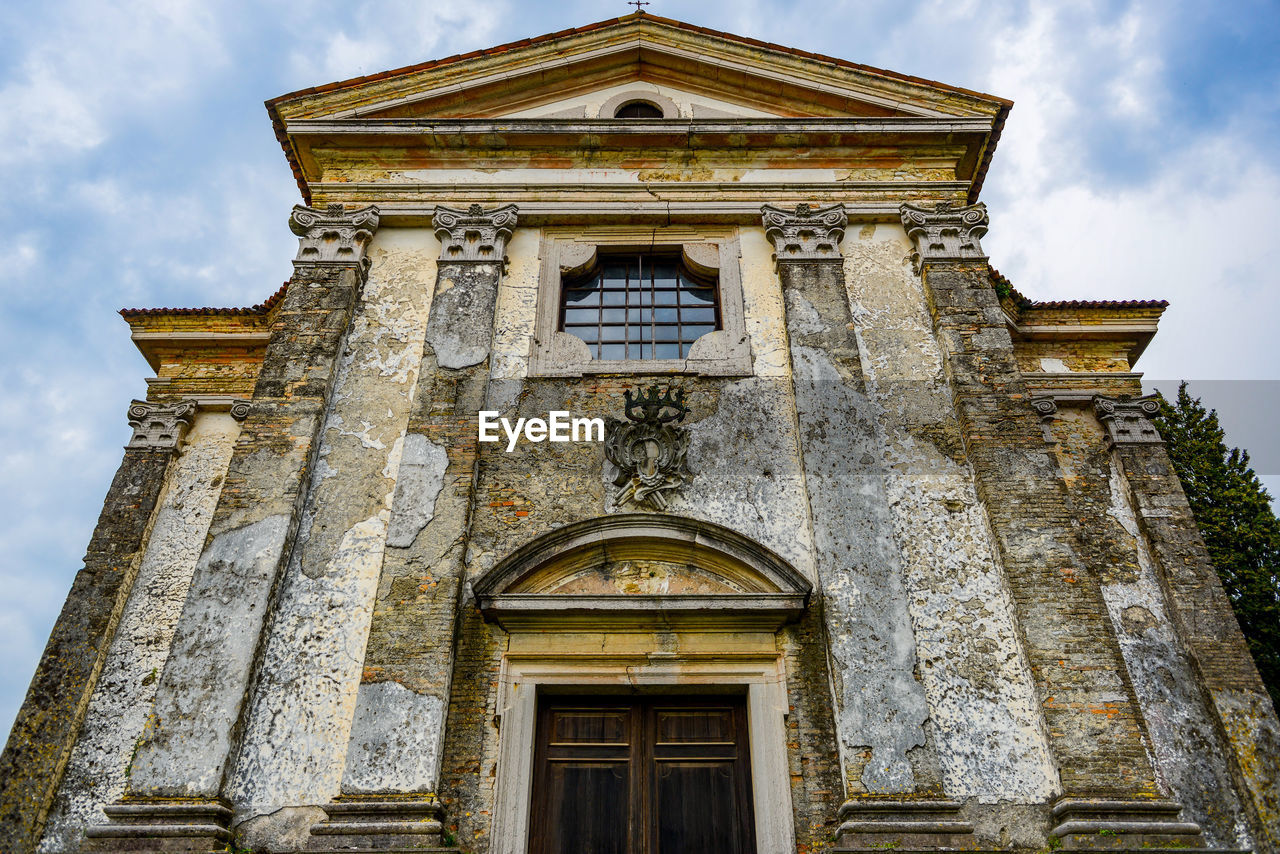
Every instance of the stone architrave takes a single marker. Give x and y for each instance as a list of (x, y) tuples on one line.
[(182, 761), (403, 701), (1071, 647), (49, 720)]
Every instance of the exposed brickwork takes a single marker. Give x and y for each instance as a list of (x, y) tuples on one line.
[(816, 788), (50, 716), (1096, 733)]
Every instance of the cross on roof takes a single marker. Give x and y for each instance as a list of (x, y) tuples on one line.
[(638, 4)]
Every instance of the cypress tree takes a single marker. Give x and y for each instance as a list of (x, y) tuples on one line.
[(1239, 528)]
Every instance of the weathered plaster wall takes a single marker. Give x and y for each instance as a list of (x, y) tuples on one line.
[(746, 476), (294, 748), (982, 705), (1190, 756), (96, 772)]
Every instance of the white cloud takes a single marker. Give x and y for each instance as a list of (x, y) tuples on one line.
[(377, 37), (90, 65)]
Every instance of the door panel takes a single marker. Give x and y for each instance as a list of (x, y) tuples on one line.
[(648, 776)]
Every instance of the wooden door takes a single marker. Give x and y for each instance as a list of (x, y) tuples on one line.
[(656, 775)]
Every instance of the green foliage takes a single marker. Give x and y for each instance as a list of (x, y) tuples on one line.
[(1240, 531)]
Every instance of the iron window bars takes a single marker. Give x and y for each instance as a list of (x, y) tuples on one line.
[(640, 306)]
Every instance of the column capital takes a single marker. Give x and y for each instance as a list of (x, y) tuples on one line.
[(1128, 419), (474, 234), (948, 232), (333, 235), (160, 426), (805, 234)]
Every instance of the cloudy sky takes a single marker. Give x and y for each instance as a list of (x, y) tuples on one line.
[(1139, 161)]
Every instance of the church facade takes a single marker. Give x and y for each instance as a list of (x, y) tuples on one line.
[(643, 456)]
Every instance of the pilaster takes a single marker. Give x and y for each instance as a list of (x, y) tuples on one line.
[(880, 703), (1199, 609), (1096, 733), (179, 770), (403, 702), (50, 717)]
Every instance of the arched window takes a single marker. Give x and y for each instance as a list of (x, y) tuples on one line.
[(638, 110), (640, 305)]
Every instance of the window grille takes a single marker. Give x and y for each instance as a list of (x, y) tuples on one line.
[(640, 306)]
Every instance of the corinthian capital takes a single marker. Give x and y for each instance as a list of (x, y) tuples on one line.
[(805, 234), (161, 426), (474, 234), (1128, 419), (333, 236), (946, 233)]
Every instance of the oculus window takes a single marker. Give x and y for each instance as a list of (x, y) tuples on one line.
[(640, 305)]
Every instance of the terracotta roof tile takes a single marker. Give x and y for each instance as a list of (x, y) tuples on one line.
[(1023, 302), (262, 308)]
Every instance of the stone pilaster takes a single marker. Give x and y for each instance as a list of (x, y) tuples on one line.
[(1199, 610), (881, 706), (1096, 733), (402, 704), (49, 719), (175, 796)]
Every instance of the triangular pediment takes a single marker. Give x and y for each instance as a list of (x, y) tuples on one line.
[(568, 75)]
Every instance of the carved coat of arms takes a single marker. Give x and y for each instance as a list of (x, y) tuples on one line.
[(648, 449)]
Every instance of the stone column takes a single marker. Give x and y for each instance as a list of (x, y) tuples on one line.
[(174, 801), (880, 704), (393, 759), (49, 719), (1096, 733), (1199, 610)]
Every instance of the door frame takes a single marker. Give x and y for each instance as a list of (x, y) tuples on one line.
[(763, 677)]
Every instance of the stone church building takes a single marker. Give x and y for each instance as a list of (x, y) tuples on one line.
[(805, 531)]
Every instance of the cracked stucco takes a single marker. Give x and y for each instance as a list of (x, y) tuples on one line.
[(96, 771), (991, 742), (293, 750), (1189, 756)]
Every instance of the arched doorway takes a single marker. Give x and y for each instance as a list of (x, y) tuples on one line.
[(642, 669)]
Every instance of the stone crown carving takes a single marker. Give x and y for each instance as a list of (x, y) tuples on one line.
[(1128, 419), (805, 234), (648, 449), (160, 426), (946, 233), (333, 236), (474, 234)]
